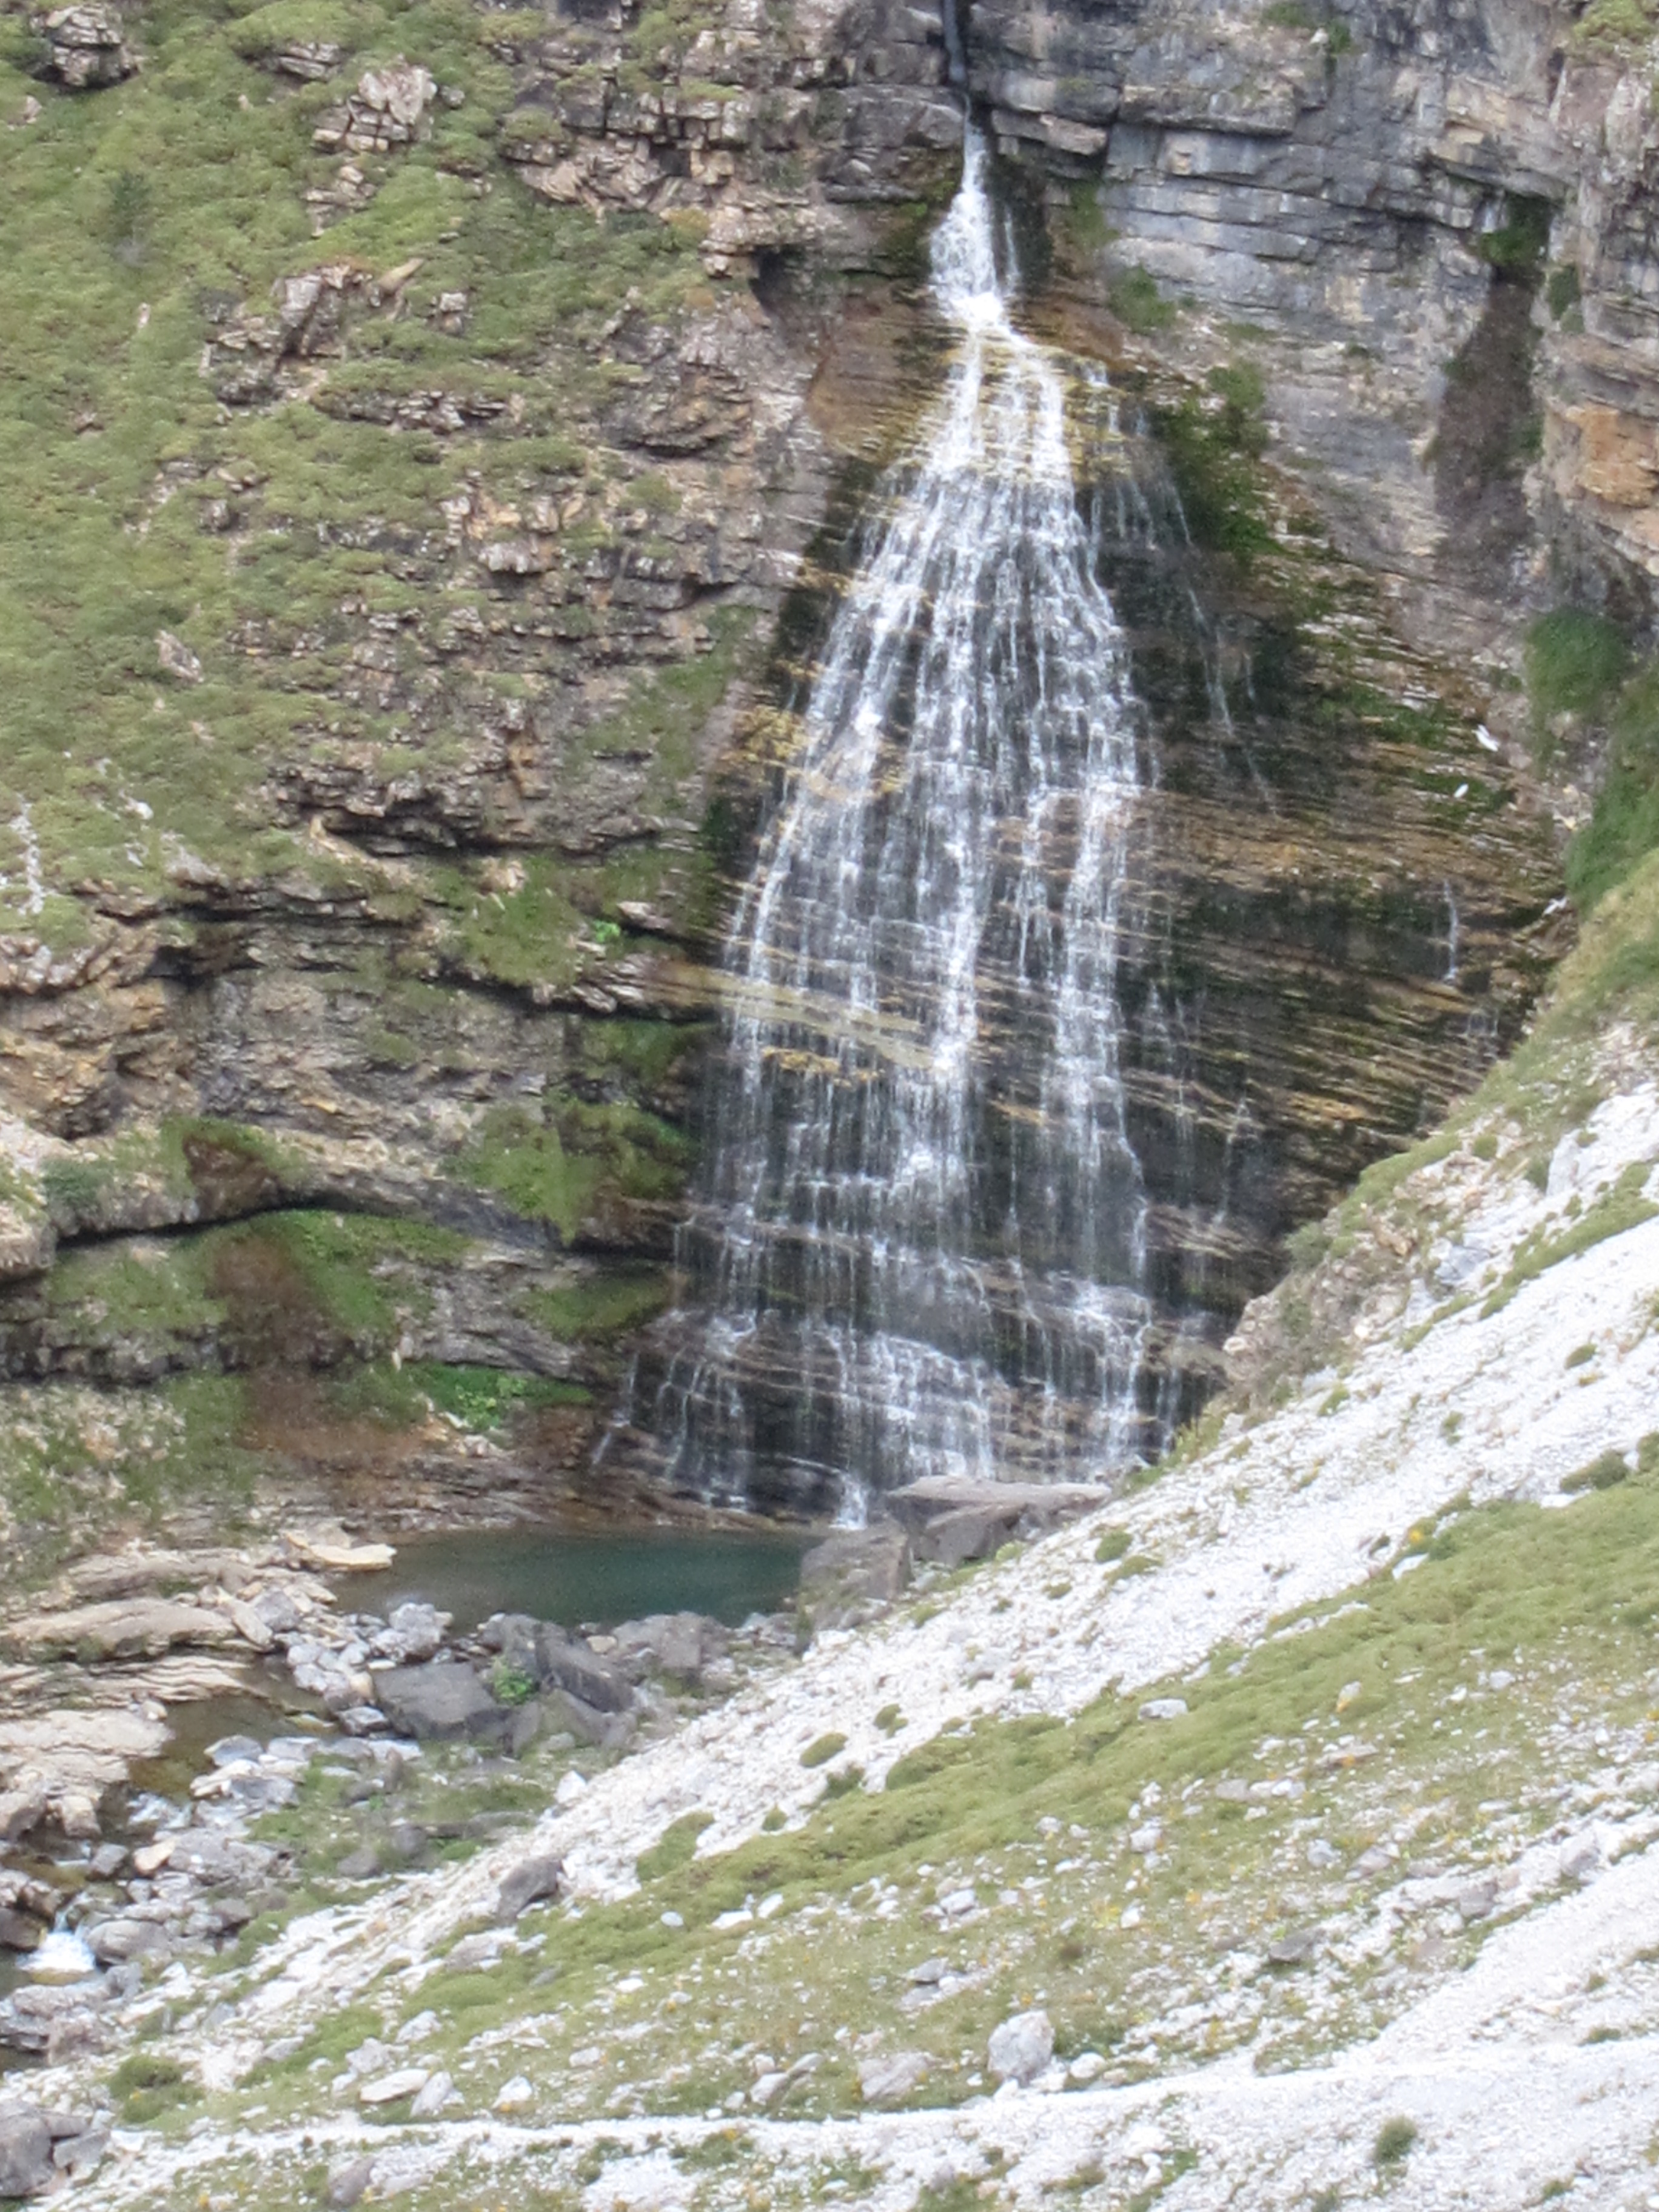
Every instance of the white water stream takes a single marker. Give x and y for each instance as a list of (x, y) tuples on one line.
[(921, 1239)]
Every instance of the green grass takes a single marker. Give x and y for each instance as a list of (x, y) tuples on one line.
[(1212, 453), (483, 1398), (1575, 659)]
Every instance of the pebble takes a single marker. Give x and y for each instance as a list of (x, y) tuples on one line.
[(513, 2096), (1164, 1709)]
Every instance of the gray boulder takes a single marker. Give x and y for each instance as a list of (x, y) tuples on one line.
[(567, 1663), (87, 47), (533, 1879), (26, 2165), (853, 1569), (417, 1629), (887, 2080), (605, 1731), (952, 1519), (348, 2181), (1021, 2048), (440, 1702), (680, 1643), (112, 1942)]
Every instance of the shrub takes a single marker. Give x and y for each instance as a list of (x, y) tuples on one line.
[(675, 1847), (1602, 1473), (1574, 661), (1394, 2139), (1113, 1545), (820, 1752), (510, 1684)]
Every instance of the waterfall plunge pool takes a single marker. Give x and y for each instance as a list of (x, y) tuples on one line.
[(588, 1577)]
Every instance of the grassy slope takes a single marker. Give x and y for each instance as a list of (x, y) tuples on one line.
[(137, 218)]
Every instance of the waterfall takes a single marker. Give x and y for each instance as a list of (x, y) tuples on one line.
[(919, 1242)]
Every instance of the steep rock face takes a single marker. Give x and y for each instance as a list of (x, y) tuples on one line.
[(1428, 226), (401, 535)]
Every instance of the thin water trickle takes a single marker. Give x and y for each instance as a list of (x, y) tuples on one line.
[(921, 1241)]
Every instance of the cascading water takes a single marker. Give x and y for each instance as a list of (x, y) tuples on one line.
[(919, 1244)]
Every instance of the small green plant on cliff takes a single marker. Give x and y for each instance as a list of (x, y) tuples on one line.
[(1135, 300), (1626, 822), (1575, 660), (1212, 447), (1520, 243)]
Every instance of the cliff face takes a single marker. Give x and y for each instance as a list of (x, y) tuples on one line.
[(1428, 226), (401, 498), (422, 424)]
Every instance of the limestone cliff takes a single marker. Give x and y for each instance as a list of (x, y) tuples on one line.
[(1428, 226), (436, 437)]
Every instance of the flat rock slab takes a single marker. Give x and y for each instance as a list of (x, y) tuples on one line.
[(951, 1520), (120, 1628), (333, 1549)]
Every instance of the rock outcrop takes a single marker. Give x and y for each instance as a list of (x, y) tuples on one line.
[(1425, 226)]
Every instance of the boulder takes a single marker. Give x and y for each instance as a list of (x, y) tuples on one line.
[(55, 2020), (567, 1662), (393, 2088), (330, 1547), (87, 49), (514, 1635), (26, 2166), (527, 1883), (1021, 2048), (440, 1702), (679, 1643), (112, 1942), (887, 2080), (348, 2181), (20, 1930), (23, 1807), (605, 1731), (952, 1520), (852, 1569), (417, 1629)]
